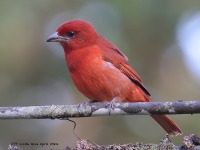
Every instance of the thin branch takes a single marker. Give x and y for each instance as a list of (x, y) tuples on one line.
[(99, 109)]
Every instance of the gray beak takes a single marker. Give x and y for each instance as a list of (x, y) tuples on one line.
[(56, 38)]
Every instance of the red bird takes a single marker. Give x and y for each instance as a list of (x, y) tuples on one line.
[(100, 70)]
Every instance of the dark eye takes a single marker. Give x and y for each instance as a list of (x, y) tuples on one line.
[(70, 33)]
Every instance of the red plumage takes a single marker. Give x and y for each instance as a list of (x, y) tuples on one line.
[(100, 70)]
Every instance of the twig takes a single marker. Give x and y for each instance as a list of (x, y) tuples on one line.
[(99, 109)]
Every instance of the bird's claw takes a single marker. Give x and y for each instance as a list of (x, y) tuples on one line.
[(84, 104), (111, 105)]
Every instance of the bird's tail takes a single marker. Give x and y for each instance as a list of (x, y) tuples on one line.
[(168, 125)]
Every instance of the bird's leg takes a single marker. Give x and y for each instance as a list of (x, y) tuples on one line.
[(111, 104)]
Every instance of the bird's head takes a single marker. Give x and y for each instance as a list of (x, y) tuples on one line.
[(74, 34)]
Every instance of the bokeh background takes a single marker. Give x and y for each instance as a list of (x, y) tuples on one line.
[(161, 39)]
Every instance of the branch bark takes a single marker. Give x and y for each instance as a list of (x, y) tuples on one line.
[(99, 109)]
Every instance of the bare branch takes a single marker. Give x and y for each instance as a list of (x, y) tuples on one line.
[(99, 109)]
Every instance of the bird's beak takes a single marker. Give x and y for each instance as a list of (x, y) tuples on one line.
[(56, 38)]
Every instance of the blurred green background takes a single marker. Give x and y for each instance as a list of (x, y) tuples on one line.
[(159, 37)]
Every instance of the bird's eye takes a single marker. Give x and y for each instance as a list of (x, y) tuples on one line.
[(70, 33)]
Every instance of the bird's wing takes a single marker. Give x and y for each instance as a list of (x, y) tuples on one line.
[(112, 54)]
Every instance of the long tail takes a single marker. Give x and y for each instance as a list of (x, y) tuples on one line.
[(168, 125)]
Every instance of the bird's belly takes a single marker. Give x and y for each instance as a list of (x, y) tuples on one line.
[(101, 81)]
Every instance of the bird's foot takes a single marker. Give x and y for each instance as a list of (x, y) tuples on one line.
[(84, 104), (111, 105)]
